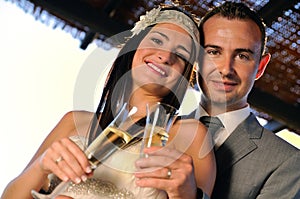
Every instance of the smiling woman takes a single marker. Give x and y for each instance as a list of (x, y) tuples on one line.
[(154, 55), (164, 45), (39, 67)]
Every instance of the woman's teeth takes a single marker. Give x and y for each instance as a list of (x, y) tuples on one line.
[(163, 73)]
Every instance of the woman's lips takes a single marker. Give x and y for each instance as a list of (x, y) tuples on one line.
[(157, 69)]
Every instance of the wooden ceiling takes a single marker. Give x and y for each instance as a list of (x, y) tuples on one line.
[(275, 97)]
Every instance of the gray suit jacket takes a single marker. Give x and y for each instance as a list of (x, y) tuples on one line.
[(254, 163)]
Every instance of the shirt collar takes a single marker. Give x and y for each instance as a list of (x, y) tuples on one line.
[(230, 119)]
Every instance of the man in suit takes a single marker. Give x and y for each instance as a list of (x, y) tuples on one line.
[(252, 162)]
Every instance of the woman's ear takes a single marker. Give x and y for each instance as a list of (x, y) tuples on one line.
[(262, 65)]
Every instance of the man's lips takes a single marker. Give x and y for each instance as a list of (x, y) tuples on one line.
[(225, 86), (157, 69)]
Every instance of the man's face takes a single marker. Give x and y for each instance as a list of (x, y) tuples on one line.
[(230, 61)]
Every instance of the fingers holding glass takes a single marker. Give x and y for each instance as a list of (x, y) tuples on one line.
[(66, 160), (166, 169)]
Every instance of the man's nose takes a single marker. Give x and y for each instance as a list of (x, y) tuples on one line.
[(225, 65)]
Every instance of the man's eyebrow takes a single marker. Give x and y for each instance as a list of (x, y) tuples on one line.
[(237, 50), (212, 46), (244, 50)]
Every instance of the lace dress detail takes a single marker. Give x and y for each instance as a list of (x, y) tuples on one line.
[(99, 189), (113, 179)]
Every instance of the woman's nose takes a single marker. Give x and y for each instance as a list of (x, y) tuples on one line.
[(166, 56)]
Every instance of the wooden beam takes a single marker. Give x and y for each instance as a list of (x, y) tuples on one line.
[(274, 9), (287, 114), (83, 14)]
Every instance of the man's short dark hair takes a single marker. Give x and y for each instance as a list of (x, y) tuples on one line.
[(233, 10)]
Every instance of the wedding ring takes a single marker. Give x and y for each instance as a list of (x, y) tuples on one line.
[(169, 173), (58, 159)]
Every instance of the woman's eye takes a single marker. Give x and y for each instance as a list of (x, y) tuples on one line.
[(181, 56), (157, 41)]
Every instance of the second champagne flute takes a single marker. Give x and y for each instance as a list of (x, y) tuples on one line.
[(160, 117)]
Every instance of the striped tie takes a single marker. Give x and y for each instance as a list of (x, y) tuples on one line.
[(213, 124)]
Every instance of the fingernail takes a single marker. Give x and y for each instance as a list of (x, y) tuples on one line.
[(137, 181), (77, 180), (88, 170), (83, 178), (140, 162), (65, 179)]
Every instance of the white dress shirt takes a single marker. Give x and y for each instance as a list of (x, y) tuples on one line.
[(230, 121)]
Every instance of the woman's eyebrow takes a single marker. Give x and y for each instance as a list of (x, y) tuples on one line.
[(167, 38), (162, 34), (184, 49)]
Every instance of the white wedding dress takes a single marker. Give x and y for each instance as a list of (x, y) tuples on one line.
[(113, 179)]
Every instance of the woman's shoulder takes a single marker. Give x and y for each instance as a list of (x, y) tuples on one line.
[(78, 116), (73, 123), (190, 128), (187, 132), (189, 123)]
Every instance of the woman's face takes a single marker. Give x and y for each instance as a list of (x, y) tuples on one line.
[(161, 58)]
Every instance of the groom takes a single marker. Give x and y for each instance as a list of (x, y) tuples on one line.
[(252, 162)]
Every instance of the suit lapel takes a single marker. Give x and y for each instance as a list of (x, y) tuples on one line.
[(238, 144), (192, 115)]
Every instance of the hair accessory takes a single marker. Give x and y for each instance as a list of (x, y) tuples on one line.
[(156, 15)]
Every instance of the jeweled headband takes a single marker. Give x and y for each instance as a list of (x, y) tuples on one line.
[(156, 15)]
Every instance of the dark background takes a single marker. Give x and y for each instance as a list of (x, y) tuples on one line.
[(275, 97)]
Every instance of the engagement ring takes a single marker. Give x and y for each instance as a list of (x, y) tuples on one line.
[(58, 159), (169, 173)]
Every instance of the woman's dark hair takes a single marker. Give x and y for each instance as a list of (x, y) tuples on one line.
[(107, 107)]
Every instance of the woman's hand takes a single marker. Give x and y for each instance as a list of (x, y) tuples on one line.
[(66, 160), (63, 197), (167, 169)]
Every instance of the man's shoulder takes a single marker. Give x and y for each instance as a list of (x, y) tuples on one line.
[(268, 140)]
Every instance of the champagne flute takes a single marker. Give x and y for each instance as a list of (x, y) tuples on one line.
[(159, 120), (111, 139)]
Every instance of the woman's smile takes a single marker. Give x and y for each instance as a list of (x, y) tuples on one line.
[(157, 69)]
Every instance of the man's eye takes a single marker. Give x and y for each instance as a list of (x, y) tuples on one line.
[(212, 52), (243, 56)]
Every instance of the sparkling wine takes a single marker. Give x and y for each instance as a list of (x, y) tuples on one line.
[(156, 136), (110, 140)]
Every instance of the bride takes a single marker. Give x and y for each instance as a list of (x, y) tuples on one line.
[(154, 65)]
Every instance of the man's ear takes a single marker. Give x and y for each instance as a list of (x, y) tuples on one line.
[(262, 65)]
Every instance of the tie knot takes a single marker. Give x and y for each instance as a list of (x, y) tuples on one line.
[(212, 123)]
